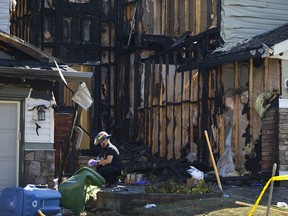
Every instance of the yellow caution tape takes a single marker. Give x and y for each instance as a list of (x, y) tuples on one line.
[(275, 178)]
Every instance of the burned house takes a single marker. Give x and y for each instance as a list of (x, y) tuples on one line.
[(166, 71), (227, 80)]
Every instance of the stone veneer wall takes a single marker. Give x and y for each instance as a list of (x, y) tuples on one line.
[(270, 146), (283, 139), (39, 168)]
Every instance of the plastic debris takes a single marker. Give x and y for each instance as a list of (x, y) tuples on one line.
[(150, 206), (282, 205), (195, 173), (226, 196)]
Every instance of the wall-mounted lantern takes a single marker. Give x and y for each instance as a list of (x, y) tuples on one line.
[(41, 114)]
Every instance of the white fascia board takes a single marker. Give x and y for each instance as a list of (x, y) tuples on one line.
[(283, 103), (282, 55), (280, 47)]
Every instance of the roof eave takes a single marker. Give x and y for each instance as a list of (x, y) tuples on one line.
[(52, 75)]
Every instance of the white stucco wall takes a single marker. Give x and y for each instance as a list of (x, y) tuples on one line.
[(244, 19), (4, 16)]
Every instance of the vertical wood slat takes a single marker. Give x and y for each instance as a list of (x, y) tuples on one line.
[(161, 119), (169, 113), (236, 115), (151, 74), (148, 125), (156, 108), (199, 99), (176, 15), (183, 110), (266, 75), (166, 17), (221, 116), (198, 16), (191, 112), (251, 94), (175, 111), (187, 17), (163, 17), (279, 75), (146, 101)]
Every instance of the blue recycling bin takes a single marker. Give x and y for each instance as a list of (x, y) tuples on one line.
[(15, 201)]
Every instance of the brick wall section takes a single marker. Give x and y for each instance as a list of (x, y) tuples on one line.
[(62, 125), (283, 139), (270, 148)]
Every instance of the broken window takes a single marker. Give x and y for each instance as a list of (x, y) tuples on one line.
[(67, 29), (86, 30), (76, 26), (71, 30), (47, 28)]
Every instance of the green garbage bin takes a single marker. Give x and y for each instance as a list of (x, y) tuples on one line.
[(73, 189)]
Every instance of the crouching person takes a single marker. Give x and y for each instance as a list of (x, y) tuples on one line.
[(109, 165)]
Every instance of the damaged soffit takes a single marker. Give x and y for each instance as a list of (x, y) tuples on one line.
[(264, 45), (183, 42), (19, 59)]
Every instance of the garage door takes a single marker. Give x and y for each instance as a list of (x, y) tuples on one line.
[(9, 125)]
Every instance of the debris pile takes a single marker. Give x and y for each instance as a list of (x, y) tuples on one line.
[(139, 159)]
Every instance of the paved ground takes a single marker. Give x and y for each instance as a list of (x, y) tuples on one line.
[(224, 204), (250, 194)]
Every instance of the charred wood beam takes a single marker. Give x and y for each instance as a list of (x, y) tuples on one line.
[(205, 114), (96, 125), (126, 87), (188, 42), (214, 60)]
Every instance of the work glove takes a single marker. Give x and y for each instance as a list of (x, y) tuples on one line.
[(92, 162)]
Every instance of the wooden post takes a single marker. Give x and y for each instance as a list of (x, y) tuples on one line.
[(222, 124), (266, 75), (271, 190), (251, 80), (161, 118), (236, 115), (213, 162), (191, 111), (198, 16), (176, 17), (187, 17)]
